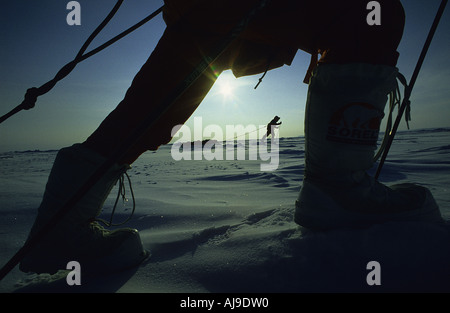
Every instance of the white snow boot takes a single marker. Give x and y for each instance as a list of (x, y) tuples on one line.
[(78, 237), (344, 110)]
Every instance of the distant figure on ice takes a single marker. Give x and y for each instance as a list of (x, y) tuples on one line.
[(348, 86), (272, 124)]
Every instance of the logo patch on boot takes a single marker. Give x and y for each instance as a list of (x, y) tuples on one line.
[(355, 123)]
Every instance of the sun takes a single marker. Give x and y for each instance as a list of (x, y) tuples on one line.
[(226, 86), (226, 89)]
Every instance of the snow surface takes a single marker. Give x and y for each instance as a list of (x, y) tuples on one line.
[(225, 226)]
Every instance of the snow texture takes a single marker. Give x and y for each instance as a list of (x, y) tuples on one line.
[(225, 226)]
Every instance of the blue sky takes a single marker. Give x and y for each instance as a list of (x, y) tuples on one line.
[(37, 41)]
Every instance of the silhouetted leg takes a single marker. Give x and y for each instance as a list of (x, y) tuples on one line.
[(174, 58), (345, 105)]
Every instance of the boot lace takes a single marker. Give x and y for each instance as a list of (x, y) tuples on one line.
[(395, 100), (121, 193)]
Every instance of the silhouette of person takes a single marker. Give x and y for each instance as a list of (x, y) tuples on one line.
[(357, 65), (273, 122)]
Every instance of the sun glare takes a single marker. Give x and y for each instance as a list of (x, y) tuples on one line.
[(226, 84), (226, 89)]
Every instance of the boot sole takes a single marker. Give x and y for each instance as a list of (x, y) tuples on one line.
[(318, 211), (128, 254)]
